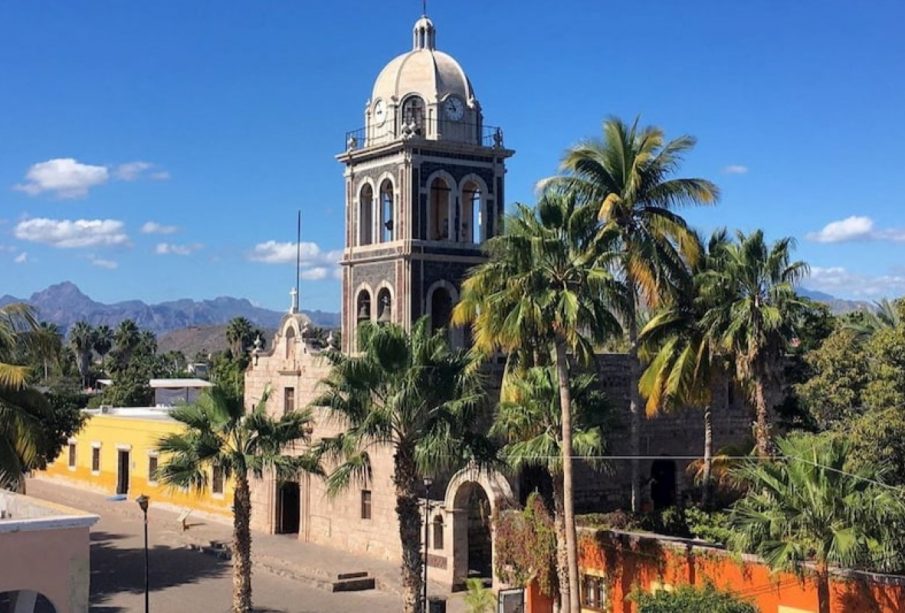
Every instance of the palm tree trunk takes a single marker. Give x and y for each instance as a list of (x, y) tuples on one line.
[(405, 479), (634, 401), (241, 545), (762, 424), (823, 588), (706, 485), (565, 403), (562, 561)]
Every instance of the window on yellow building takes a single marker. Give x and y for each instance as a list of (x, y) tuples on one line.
[(95, 459), (593, 592), (366, 504), (71, 455), (217, 480), (152, 469)]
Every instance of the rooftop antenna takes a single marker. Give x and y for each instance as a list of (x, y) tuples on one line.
[(424, 7), (298, 263)]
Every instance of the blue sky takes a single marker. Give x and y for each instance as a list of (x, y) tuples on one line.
[(217, 121)]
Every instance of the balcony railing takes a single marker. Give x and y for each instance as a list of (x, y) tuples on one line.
[(424, 129)]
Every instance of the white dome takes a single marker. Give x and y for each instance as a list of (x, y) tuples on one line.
[(431, 74)]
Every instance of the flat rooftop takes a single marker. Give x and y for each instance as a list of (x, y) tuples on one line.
[(20, 513)]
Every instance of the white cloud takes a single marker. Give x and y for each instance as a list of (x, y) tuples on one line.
[(102, 263), (22, 258), (316, 264), (64, 177), (132, 171), (173, 249), (69, 178), (152, 227), (314, 274), (66, 233), (839, 281), (855, 228), (735, 169)]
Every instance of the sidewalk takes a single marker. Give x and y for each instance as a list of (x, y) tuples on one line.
[(282, 555)]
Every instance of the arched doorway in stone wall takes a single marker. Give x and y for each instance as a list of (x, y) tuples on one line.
[(472, 496)]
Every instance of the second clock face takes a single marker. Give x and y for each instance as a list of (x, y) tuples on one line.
[(454, 108), (379, 113)]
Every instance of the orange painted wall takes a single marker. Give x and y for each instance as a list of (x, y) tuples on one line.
[(140, 436), (630, 561)]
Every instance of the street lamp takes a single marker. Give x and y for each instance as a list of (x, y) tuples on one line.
[(427, 512), (143, 504)]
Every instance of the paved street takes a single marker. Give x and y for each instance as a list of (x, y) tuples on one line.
[(182, 579)]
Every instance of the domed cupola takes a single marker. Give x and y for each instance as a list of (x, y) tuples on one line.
[(423, 93)]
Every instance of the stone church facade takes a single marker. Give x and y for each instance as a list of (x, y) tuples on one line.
[(424, 187)]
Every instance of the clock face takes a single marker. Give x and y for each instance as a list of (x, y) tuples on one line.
[(380, 114), (454, 108)]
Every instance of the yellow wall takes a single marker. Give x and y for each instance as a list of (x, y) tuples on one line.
[(139, 435)]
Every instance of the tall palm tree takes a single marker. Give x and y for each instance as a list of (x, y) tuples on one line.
[(81, 339), (411, 394), (886, 314), (219, 434), (45, 343), (753, 316), (627, 176), (103, 340), (239, 335), (811, 506), (544, 293), (685, 362), (22, 408), (529, 420)]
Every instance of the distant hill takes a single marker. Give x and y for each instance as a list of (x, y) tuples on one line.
[(203, 339), (64, 304), (838, 306)]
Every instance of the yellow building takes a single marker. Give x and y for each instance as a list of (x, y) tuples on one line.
[(116, 453)]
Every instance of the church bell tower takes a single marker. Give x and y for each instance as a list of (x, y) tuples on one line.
[(424, 188)]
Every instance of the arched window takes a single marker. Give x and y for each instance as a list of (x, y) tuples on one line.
[(363, 306), (439, 218), (437, 536), (290, 342), (441, 308), (386, 211), (365, 215), (413, 114), (384, 306), (472, 214)]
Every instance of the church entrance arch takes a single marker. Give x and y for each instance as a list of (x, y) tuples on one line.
[(472, 497)]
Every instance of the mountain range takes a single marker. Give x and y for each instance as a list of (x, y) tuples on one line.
[(64, 304)]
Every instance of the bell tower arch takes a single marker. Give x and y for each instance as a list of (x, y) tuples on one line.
[(424, 188)]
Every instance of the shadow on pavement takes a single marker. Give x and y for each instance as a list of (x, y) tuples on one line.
[(116, 569)]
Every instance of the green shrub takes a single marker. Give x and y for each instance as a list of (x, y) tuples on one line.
[(712, 527), (692, 599)]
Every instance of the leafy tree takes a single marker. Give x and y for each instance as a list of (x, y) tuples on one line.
[(81, 339), (692, 599), (545, 293), (62, 421), (220, 435), (806, 507), (754, 316), (886, 351), (226, 371), (527, 547), (877, 438), (628, 177), (529, 421), (685, 362), (840, 367), (412, 394)]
